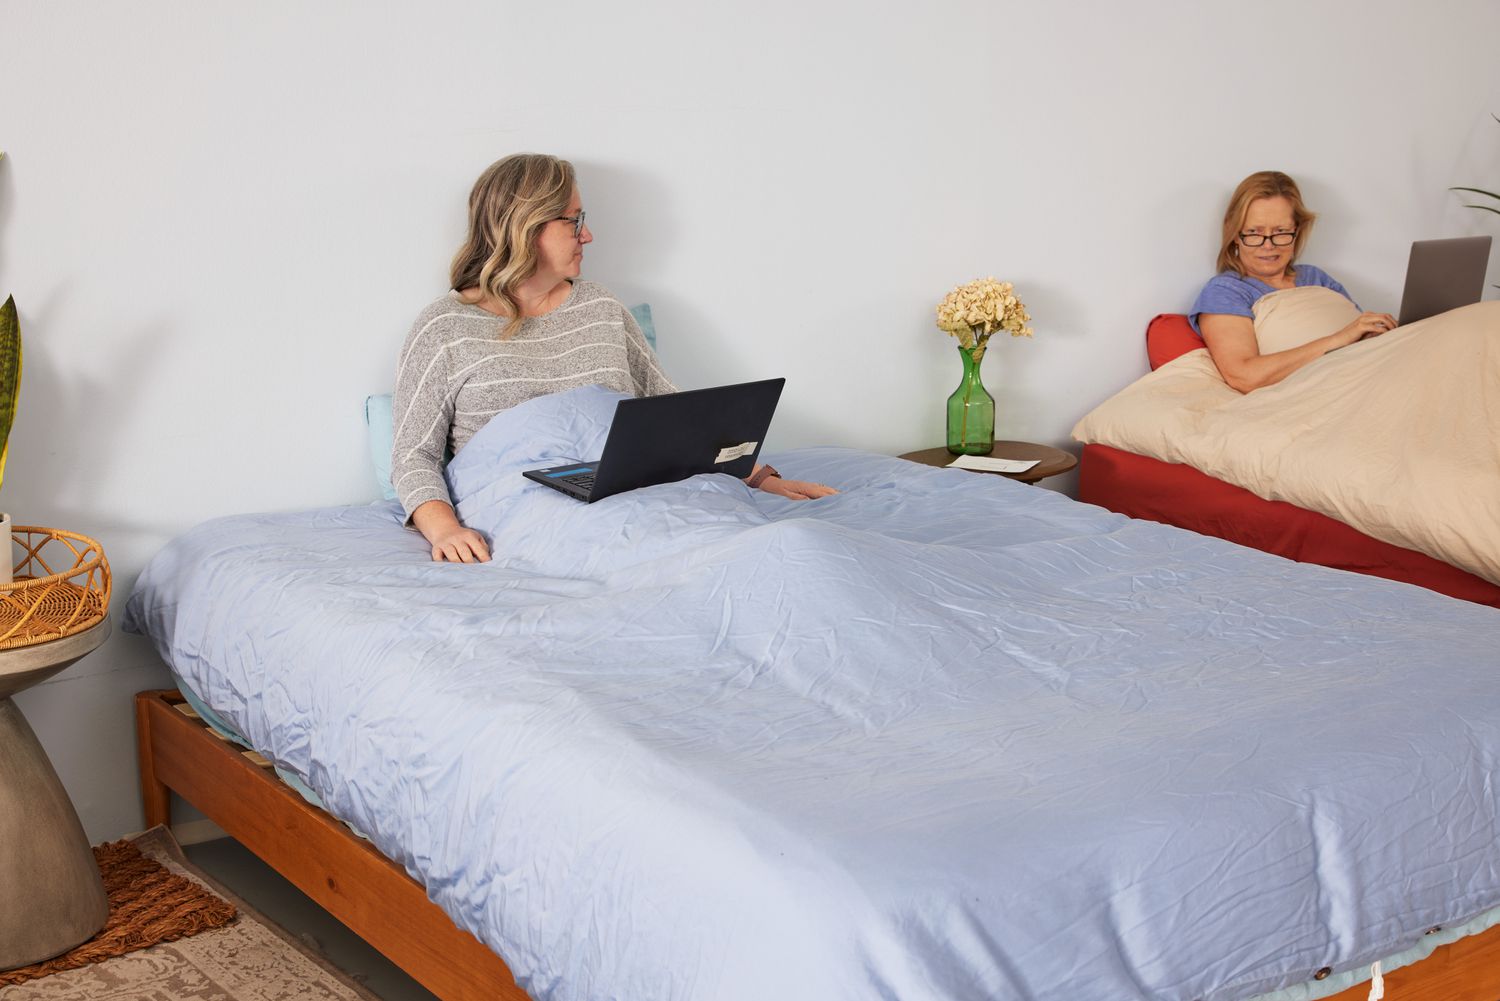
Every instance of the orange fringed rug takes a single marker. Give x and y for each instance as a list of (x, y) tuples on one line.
[(148, 905), (244, 958)]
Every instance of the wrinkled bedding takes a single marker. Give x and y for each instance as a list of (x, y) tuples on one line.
[(1397, 436), (942, 736)]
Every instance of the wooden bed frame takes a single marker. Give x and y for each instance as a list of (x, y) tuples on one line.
[(346, 876), (341, 871)]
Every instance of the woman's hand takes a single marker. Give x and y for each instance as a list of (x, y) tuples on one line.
[(795, 489), (1368, 325), (461, 545), (451, 542)]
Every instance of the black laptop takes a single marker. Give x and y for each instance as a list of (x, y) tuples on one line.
[(661, 439)]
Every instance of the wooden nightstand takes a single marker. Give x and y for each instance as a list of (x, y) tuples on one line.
[(1052, 461)]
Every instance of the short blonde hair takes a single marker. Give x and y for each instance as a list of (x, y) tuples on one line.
[(511, 202), (1262, 184)]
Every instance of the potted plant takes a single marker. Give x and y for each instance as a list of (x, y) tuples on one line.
[(10, 383), (1481, 191)]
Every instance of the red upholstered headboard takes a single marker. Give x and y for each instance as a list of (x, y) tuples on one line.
[(1168, 336)]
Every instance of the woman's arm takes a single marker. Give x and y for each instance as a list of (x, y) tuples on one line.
[(422, 416), (645, 368), (449, 539), (768, 479), (422, 410), (1232, 345)]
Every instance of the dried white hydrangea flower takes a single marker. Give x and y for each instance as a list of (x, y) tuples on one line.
[(974, 311)]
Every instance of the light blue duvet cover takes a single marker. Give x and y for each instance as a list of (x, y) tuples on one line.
[(942, 736)]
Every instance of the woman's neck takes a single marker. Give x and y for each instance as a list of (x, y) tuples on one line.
[(1287, 279), (537, 296), (541, 294)]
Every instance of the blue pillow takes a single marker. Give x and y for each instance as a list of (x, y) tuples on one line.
[(382, 435), (642, 314), (382, 432)]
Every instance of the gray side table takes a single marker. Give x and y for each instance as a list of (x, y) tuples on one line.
[(51, 896)]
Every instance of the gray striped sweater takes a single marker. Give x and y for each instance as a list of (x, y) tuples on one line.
[(455, 373)]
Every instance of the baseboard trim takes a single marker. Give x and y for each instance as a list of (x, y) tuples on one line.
[(195, 832)]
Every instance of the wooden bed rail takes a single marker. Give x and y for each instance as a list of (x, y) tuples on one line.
[(342, 872)]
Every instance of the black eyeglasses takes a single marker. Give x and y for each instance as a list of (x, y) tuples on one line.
[(1277, 239), (576, 220)]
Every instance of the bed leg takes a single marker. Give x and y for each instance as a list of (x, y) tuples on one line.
[(155, 797)]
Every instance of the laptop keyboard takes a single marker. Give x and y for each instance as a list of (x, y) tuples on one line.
[(584, 480)]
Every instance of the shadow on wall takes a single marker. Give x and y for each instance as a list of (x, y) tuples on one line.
[(638, 219), (71, 425), (7, 199), (637, 234), (632, 213), (1337, 220), (1021, 373), (71, 434), (1185, 269)]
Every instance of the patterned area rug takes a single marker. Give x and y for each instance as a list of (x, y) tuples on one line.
[(148, 905), (249, 959)]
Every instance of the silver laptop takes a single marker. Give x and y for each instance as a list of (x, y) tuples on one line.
[(1443, 275)]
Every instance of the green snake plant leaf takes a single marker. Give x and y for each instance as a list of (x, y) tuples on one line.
[(1478, 191), (10, 375)]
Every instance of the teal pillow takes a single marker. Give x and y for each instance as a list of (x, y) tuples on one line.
[(381, 432), (642, 314)]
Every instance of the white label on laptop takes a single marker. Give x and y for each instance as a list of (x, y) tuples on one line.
[(986, 464), (737, 451)]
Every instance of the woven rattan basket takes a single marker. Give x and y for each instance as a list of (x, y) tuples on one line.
[(61, 587)]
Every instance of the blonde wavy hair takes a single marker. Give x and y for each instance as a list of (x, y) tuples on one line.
[(1262, 184), (511, 202)]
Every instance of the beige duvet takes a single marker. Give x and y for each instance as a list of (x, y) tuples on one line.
[(1397, 436)]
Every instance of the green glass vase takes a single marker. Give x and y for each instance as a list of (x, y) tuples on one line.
[(971, 411)]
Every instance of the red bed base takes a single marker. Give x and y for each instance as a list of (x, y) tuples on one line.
[(1174, 494), (1180, 495)]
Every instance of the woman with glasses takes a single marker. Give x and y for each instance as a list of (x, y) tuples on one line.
[(518, 324), (1265, 229)]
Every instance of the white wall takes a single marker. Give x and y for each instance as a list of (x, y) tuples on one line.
[(219, 218)]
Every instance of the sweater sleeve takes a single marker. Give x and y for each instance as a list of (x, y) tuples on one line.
[(422, 412), (645, 368)]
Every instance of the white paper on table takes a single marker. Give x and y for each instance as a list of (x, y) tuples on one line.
[(988, 464)]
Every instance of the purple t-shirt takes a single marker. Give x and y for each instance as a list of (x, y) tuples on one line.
[(1234, 294)]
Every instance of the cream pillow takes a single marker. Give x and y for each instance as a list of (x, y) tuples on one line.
[(1291, 317)]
